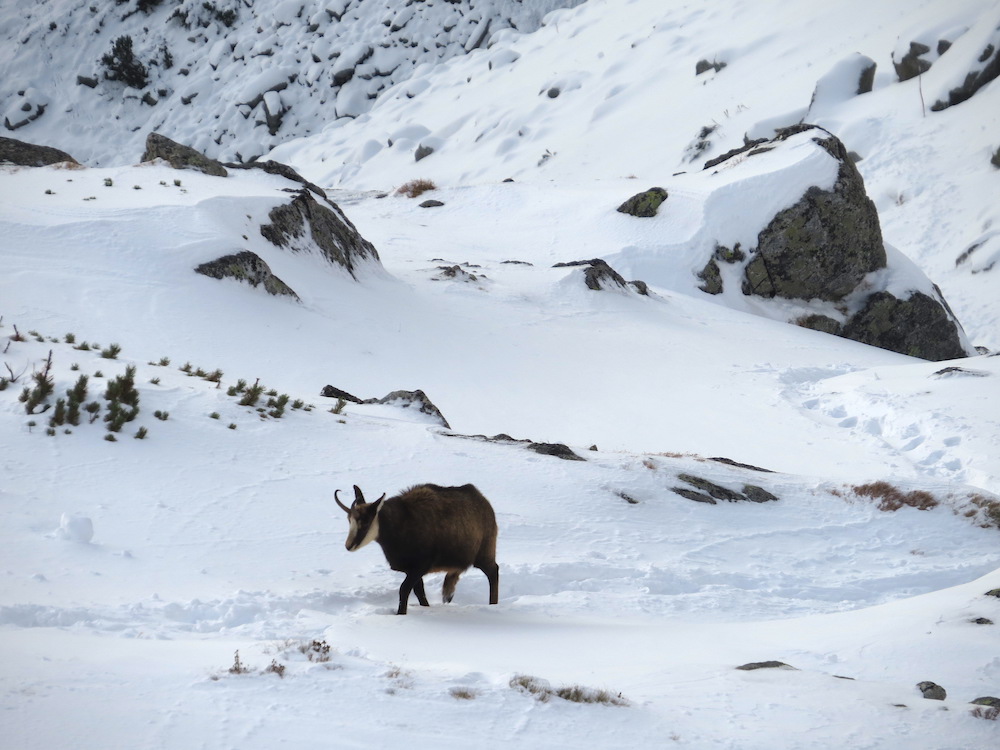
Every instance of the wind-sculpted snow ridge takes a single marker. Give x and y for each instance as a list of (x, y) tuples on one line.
[(231, 79)]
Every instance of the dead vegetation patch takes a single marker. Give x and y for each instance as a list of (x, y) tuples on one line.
[(413, 188), (891, 498)]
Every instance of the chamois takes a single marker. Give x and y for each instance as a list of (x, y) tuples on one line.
[(428, 529)]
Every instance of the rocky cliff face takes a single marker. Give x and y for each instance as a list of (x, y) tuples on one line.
[(243, 76)]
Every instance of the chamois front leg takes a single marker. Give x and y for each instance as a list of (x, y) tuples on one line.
[(414, 583)]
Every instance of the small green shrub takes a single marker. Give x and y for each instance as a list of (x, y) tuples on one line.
[(121, 64), (111, 352)]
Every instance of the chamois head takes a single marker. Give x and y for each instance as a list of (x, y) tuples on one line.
[(363, 518)]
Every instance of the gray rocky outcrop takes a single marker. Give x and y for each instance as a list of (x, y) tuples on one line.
[(919, 326), (247, 267), (404, 399), (824, 245), (24, 154), (706, 491), (282, 170), (828, 248), (599, 275), (180, 156), (985, 69), (644, 204), (911, 63), (304, 224), (932, 691)]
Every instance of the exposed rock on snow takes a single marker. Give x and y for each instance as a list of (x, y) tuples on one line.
[(275, 167), (824, 245), (919, 325), (754, 665), (827, 250), (559, 450), (404, 399), (644, 204), (932, 691), (23, 154), (413, 400), (330, 232), (985, 68), (179, 156), (709, 492), (599, 275), (249, 267)]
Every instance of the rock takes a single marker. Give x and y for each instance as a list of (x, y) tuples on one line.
[(756, 494), (987, 700), (23, 154), (712, 489), (330, 232), (981, 621), (822, 323), (932, 691), (995, 159), (412, 399), (910, 65), (599, 275), (823, 246), (87, 81), (282, 170), (993, 592), (918, 326), (422, 152), (645, 204), (249, 267), (754, 665), (986, 69), (710, 492), (180, 156), (711, 275), (703, 66), (555, 449), (330, 391), (431, 203)]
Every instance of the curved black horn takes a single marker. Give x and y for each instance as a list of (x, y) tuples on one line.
[(337, 499)]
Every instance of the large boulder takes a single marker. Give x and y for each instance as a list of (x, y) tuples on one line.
[(824, 257), (919, 325), (306, 225), (180, 156), (23, 154), (824, 245)]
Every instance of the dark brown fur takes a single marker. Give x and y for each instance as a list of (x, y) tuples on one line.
[(430, 529)]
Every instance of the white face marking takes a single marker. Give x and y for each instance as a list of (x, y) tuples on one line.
[(352, 534)]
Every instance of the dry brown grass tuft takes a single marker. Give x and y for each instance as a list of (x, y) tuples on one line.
[(891, 498), (413, 188)]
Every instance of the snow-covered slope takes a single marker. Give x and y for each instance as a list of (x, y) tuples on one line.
[(191, 588), (230, 78)]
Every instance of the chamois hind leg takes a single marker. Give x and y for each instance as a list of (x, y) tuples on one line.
[(492, 571), (448, 590), (418, 589)]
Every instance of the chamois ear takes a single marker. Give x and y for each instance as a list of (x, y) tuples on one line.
[(359, 497), (379, 501), (337, 500)]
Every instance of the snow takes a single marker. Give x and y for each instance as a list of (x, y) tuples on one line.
[(136, 572)]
